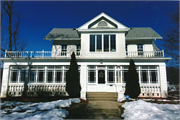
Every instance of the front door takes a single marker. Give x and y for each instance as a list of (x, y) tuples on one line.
[(101, 86)]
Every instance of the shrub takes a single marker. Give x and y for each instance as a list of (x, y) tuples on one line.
[(132, 82), (73, 86)]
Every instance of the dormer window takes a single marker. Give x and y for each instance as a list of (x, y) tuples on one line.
[(103, 43)]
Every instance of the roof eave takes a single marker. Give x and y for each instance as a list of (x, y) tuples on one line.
[(136, 38), (90, 30), (62, 39)]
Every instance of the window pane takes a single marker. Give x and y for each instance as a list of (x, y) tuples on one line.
[(92, 43), (144, 76), (65, 71), (92, 76), (59, 76), (50, 76), (106, 43), (113, 43), (40, 76), (23, 76), (32, 76), (153, 76), (125, 76), (111, 76), (14, 76), (99, 43), (140, 49), (64, 50)]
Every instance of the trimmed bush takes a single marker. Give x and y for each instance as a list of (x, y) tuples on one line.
[(73, 86), (132, 82)]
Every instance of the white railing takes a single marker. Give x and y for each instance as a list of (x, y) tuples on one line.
[(37, 54), (148, 90), (145, 53), (37, 89)]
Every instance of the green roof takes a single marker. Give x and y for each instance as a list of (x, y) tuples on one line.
[(142, 33), (62, 34)]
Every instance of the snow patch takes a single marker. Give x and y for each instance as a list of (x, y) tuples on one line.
[(36, 111), (141, 110)]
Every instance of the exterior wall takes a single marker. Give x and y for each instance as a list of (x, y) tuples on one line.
[(83, 81), (56, 50), (4, 87), (120, 47), (132, 47), (163, 82), (148, 47), (119, 87)]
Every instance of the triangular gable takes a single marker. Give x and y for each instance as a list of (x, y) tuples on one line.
[(103, 17)]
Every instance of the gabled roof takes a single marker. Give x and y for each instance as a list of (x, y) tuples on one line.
[(103, 15), (142, 33), (62, 34)]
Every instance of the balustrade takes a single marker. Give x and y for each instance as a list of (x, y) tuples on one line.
[(145, 53), (57, 89), (148, 90), (37, 54)]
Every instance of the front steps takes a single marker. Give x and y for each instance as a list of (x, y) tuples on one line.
[(101, 96)]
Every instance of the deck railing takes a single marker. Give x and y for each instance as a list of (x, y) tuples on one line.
[(48, 54), (39, 89), (145, 53), (38, 54), (148, 90)]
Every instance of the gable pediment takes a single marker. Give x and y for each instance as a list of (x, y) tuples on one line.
[(103, 21)]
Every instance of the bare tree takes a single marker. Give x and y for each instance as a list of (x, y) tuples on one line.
[(14, 42), (171, 41)]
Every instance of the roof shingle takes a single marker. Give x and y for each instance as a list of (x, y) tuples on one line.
[(62, 34), (142, 33)]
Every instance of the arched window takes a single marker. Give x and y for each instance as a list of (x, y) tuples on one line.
[(102, 24)]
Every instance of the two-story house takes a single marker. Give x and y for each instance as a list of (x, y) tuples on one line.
[(103, 48)]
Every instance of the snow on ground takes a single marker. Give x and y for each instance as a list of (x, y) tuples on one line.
[(141, 110), (36, 111)]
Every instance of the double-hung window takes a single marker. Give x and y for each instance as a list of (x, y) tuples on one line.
[(103, 43), (64, 50), (140, 49)]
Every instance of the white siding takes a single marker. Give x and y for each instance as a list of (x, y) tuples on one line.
[(163, 80), (5, 80), (120, 47), (83, 81)]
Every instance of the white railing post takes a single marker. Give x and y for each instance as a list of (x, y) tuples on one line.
[(5, 53), (42, 53), (163, 53)]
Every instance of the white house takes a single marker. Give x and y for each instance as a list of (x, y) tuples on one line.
[(103, 48)]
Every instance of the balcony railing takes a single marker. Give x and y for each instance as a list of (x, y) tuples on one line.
[(145, 53), (49, 54), (38, 54)]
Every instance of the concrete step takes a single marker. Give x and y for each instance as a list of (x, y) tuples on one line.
[(102, 99), (102, 111), (101, 96)]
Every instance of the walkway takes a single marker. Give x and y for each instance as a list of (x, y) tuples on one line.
[(103, 110)]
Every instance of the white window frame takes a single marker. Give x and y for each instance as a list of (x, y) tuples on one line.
[(102, 41)]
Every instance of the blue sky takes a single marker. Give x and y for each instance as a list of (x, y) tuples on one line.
[(39, 18)]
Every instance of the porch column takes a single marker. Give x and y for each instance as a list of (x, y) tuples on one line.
[(83, 81), (163, 81), (4, 86)]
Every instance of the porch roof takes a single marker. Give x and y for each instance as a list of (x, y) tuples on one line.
[(142, 33), (62, 34)]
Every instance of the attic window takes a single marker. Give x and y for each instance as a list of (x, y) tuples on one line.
[(102, 24)]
